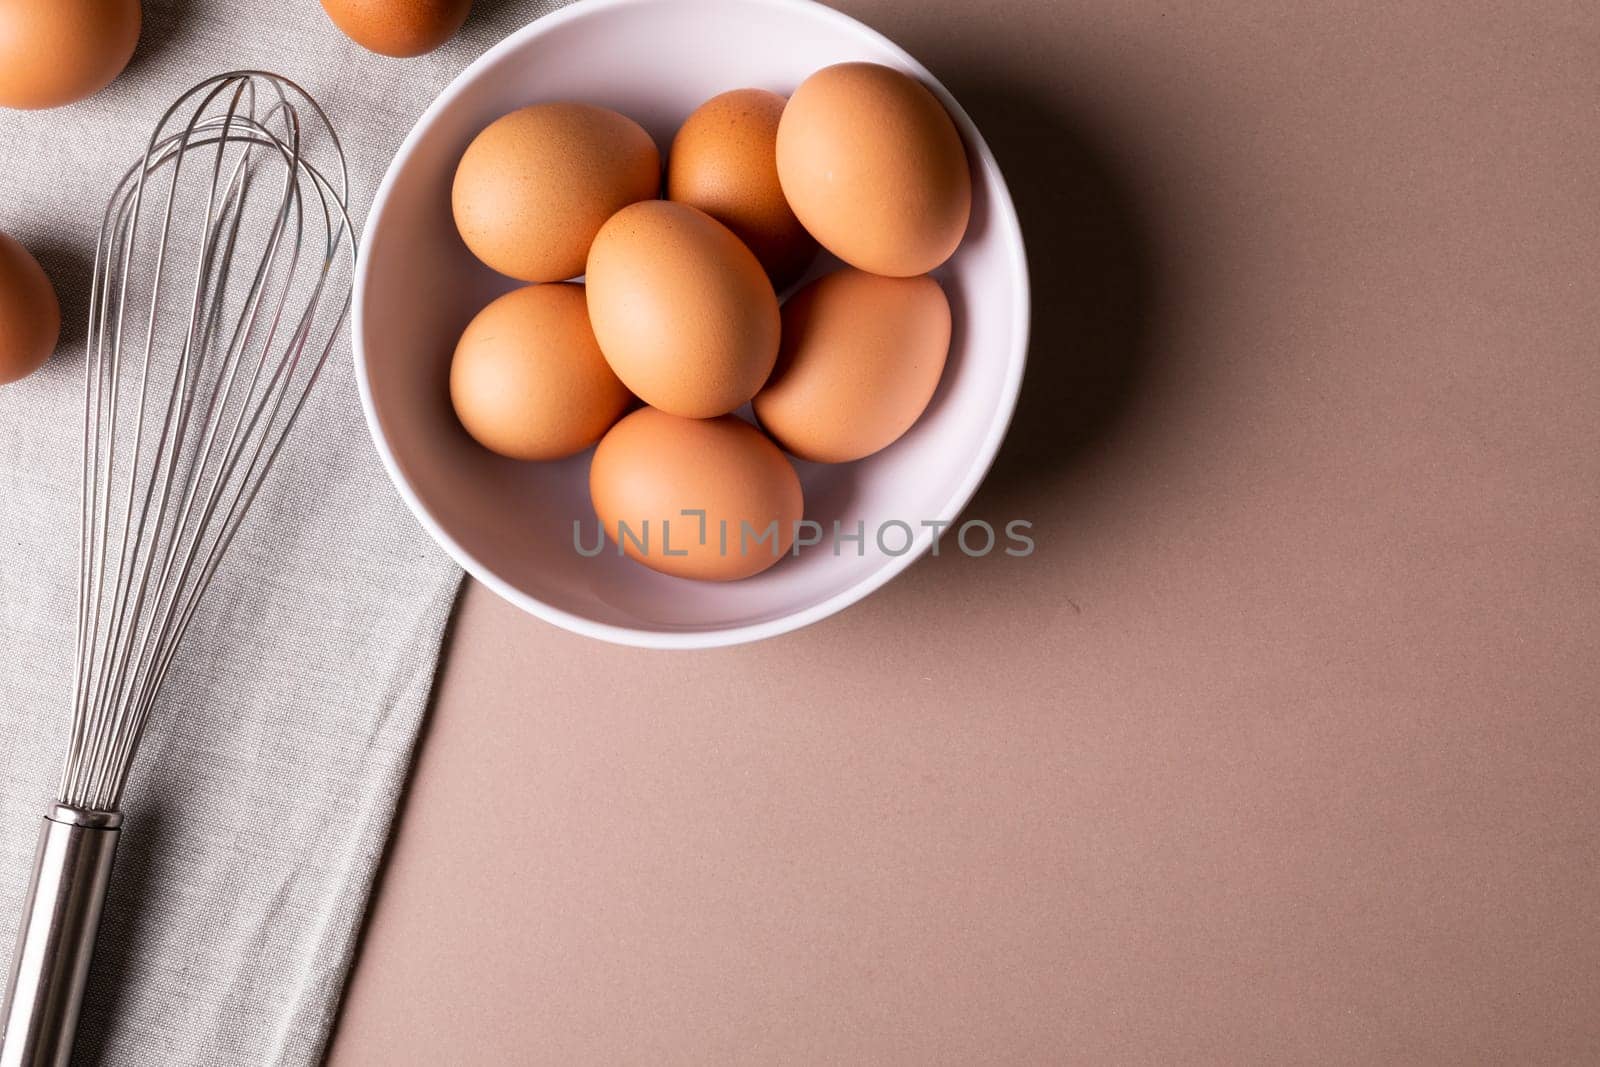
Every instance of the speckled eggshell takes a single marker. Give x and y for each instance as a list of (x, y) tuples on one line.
[(528, 381), (535, 186), (682, 309), (55, 52), (30, 317), (653, 467), (399, 28), (862, 356), (874, 168), (724, 161)]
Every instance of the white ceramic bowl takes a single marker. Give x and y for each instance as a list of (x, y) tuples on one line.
[(511, 524)]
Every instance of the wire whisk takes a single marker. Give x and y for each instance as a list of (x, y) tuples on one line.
[(221, 285)]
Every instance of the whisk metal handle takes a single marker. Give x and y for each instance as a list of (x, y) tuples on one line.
[(70, 875)]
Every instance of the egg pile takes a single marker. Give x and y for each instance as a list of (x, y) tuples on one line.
[(678, 306)]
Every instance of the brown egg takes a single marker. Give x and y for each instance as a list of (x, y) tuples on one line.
[(682, 309), (535, 187), (399, 28), (862, 355), (724, 161), (654, 473), (55, 52), (874, 168), (30, 317), (528, 380)]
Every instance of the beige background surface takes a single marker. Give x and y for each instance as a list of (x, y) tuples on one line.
[(1281, 749)]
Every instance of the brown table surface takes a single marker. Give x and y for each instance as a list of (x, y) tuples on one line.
[(1281, 749)]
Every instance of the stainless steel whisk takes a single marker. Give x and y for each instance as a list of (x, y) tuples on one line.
[(222, 280)]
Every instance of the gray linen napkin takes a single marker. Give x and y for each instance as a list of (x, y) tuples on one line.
[(264, 793)]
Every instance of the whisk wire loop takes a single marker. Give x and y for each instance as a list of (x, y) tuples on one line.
[(191, 388)]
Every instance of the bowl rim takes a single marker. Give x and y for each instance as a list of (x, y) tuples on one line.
[(982, 460)]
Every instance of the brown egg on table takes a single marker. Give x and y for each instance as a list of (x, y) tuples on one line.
[(528, 381), (682, 309), (874, 168), (724, 161), (55, 52), (398, 28), (653, 467), (30, 317), (862, 355), (535, 186)]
